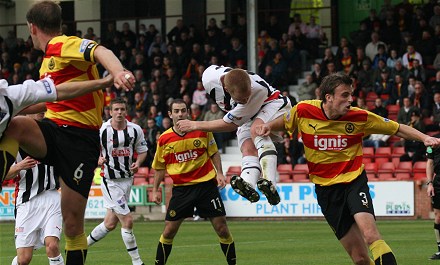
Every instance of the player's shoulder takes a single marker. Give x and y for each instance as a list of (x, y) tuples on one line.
[(134, 126), (213, 73), (105, 125)]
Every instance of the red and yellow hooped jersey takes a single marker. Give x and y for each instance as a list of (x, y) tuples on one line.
[(186, 158), (71, 59), (333, 148)]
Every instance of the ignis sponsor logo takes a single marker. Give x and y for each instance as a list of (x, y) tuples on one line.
[(337, 143), (183, 157)]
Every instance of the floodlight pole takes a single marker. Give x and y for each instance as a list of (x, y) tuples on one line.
[(251, 10)]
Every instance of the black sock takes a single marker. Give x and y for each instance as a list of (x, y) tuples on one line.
[(386, 259), (162, 253), (229, 251), (76, 257)]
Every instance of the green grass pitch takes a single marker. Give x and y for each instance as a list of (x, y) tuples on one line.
[(257, 242)]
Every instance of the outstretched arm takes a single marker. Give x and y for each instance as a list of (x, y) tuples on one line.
[(266, 128), (122, 77), (207, 126), (76, 89), (410, 133)]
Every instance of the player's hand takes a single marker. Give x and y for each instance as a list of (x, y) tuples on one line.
[(262, 130), (107, 81), (221, 181), (432, 141), (134, 168), (101, 161), (430, 190), (186, 126), (27, 163), (124, 80), (157, 197)]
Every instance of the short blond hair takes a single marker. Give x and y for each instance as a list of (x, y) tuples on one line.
[(237, 80)]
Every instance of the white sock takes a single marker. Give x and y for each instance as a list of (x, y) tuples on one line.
[(250, 170), (98, 233), (56, 260), (14, 261), (268, 157), (130, 244)]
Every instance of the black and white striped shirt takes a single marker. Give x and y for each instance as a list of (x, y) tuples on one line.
[(118, 147), (34, 181)]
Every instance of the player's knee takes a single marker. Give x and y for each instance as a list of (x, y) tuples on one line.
[(222, 231), (52, 248), (127, 222), (24, 259), (111, 226), (248, 148)]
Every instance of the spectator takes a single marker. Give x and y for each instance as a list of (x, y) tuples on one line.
[(379, 108), (403, 19), (435, 117), (376, 140), (360, 103), (329, 57), (365, 77), (392, 60), (372, 20), (237, 52), (372, 47), (274, 28), (317, 74), (421, 99), (384, 86), (196, 112), (359, 59), (314, 35), (435, 19), (390, 33), (418, 71), (435, 85), (292, 57), (414, 150), (296, 24), (90, 34), (157, 47), (150, 34), (409, 57), (343, 42), (174, 35), (399, 90), (300, 43), (427, 47), (171, 84), (214, 113), (362, 36), (127, 34), (399, 70), (109, 35), (404, 114), (150, 137), (307, 89), (347, 61), (199, 96), (279, 67), (381, 54)]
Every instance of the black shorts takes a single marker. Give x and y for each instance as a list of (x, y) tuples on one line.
[(340, 202), (436, 198), (73, 152), (204, 196)]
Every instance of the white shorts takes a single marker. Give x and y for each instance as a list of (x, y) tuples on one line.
[(37, 219), (116, 193), (268, 112)]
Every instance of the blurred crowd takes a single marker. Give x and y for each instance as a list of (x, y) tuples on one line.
[(393, 59)]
